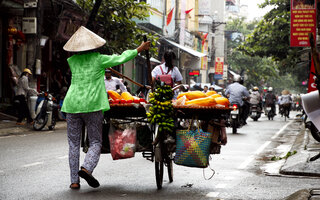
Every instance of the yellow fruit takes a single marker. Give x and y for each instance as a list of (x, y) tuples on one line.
[(113, 95), (192, 95), (216, 95), (206, 101), (209, 93), (126, 96), (222, 101)]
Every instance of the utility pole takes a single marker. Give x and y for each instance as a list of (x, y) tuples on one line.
[(164, 18)]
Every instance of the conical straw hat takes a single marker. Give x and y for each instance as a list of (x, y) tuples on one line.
[(285, 92), (83, 40)]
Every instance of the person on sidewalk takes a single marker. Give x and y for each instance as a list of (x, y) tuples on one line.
[(22, 91), (87, 98)]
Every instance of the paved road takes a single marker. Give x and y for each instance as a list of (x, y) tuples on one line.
[(34, 165)]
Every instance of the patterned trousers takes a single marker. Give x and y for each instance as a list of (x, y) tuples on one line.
[(93, 122)]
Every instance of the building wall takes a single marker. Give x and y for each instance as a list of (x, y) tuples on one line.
[(1, 55), (219, 9)]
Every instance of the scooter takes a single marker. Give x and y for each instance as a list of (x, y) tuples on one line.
[(255, 112), (314, 132), (235, 120), (270, 113), (44, 112)]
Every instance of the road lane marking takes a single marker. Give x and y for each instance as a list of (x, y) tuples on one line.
[(261, 148), (221, 185), (33, 164), (7, 136), (244, 164), (282, 129), (62, 157), (212, 194)]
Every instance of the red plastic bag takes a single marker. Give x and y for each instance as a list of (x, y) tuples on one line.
[(122, 142)]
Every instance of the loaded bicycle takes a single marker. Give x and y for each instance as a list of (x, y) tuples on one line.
[(155, 141)]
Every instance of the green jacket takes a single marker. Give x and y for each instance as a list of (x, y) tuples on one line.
[(87, 91)]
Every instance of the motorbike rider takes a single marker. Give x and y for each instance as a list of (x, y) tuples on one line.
[(255, 98), (235, 93), (271, 100), (285, 101)]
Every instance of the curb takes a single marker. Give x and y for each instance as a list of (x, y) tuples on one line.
[(304, 194), (299, 164), (10, 128)]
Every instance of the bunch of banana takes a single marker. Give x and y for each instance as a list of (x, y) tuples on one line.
[(161, 111)]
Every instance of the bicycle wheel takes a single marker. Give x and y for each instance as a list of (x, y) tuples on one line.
[(158, 166), (286, 114), (170, 167)]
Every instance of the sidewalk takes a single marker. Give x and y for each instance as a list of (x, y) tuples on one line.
[(8, 126), (299, 164)]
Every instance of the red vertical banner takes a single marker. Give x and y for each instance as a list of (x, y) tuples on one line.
[(303, 22), (219, 65), (312, 78)]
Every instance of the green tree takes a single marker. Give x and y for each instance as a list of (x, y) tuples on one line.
[(256, 69), (270, 38), (114, 21)]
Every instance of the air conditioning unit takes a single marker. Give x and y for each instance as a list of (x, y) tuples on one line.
[(31, 4), (29, 25)]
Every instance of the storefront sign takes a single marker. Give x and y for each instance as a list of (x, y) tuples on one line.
[(225, 72), (194, 73), (204, 7), (219, 65), (303, 22)]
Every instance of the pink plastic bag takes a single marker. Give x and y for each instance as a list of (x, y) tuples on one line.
[(122, 142)]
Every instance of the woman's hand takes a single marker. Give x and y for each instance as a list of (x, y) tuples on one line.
[(144, 46)]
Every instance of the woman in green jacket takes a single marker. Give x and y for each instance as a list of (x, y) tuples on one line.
[(87, 98)]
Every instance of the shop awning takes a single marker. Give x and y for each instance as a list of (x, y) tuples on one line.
[(186, 49)]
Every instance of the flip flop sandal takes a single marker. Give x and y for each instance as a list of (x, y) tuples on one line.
[(75, 186), (89, 178)]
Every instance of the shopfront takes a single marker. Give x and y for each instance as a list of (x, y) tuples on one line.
[(12, 42)]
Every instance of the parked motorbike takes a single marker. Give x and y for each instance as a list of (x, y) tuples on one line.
[(255, 112), (45, 112), (314, 132), (270, 113), (235, 120)]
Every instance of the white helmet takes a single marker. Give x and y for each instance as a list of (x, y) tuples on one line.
[(236, 78), (270, 89)]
